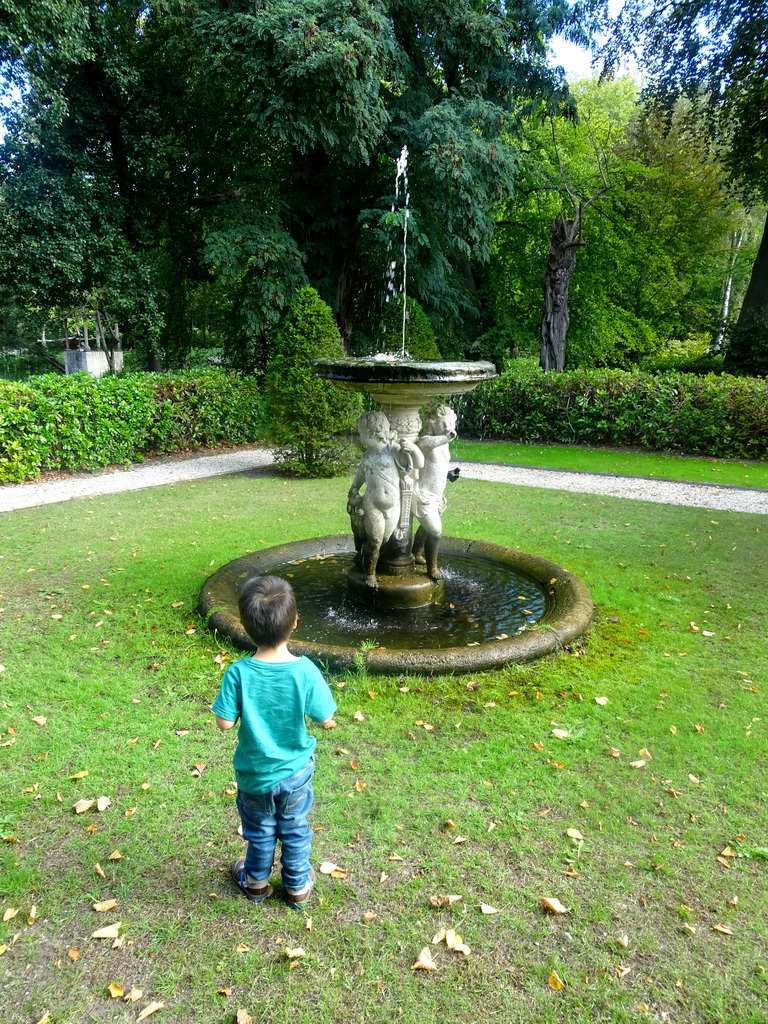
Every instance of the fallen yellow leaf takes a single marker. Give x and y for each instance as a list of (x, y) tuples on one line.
[(99, 870), (115, 991), (295, 953), (560, 734), (133, 995), (553, 905), (613, 752), (424, 961), (115, 855), (74, 955), (602, 701), (149, 1010), (623, 971), (110, 931), (78, 775), (485, 908), (82, 806), (359, 716), (104, 905), (722, 929), (555, 982), (574, 833), (103, 803), (10, 913), (243, 1017)]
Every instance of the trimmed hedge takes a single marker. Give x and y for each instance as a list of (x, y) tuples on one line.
[(720, 415), (71, 423)]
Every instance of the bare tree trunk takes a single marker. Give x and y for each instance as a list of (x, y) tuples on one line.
[(557, 279), (756, 298), (345, 291), (737, 237)]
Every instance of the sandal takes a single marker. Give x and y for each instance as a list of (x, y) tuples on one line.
[(254, 894)]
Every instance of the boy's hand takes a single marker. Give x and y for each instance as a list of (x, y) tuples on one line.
[(329, 723)]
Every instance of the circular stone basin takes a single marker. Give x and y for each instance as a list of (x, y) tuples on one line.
[(498, 606), (410, 382)]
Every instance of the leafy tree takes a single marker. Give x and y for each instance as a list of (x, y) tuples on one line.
[(651, 252), (714, 52), (304, 414), (199, 164)]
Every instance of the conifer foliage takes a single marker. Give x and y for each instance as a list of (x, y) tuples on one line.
[(305, 415)]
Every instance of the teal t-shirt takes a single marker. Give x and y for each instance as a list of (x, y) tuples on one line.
[(271, 699)]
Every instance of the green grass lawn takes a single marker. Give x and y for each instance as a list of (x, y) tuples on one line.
[(701, 469), (108, 670)]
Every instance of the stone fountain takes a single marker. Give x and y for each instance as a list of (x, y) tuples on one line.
[(441, 604)]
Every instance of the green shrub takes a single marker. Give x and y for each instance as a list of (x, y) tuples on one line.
[(714, 415), (304, 414), (53, 422), (420, 340)]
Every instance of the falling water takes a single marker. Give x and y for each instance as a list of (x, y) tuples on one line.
[(401, 185)]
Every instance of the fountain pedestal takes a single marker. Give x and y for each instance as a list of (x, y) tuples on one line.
[(401, 388)]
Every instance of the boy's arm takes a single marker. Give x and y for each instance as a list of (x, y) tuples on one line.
[(224, 724)]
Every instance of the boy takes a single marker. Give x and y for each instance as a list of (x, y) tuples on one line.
[(270, 693)]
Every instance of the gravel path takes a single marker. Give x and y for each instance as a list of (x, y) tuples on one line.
[(174, 469)]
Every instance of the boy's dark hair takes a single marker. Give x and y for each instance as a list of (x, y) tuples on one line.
[(267, 610)]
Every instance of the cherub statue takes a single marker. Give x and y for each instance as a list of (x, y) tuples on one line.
[(375, 513), (430, 500)]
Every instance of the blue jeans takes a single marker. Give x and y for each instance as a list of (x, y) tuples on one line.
[(280, 814)]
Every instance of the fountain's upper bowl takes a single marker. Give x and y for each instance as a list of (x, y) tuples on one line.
[(404, 381)]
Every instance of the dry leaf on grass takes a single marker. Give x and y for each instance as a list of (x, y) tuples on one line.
[(149, 1010), (329, 868), (460, 839), (368, 916), (103, 803), (10, 913), (574, 833), (45, 1018), (133, 995), (99, 870), (623, 971), (294, 954), (560, 734), (110, 931), (602, 701), (442, 901), (395, 856), (553, 905), (40, 719), (613, 752), (243, 1017), (115, 855), (115, 991), (555, 982), (104, 906), (722, 929), (32, 915), (359, 716), (82, 806), (74, 955), (424, 961), (78, 775), (485, 908), (623, 941)]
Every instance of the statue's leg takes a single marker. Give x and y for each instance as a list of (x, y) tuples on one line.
[(418, 546), (431, 547)]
